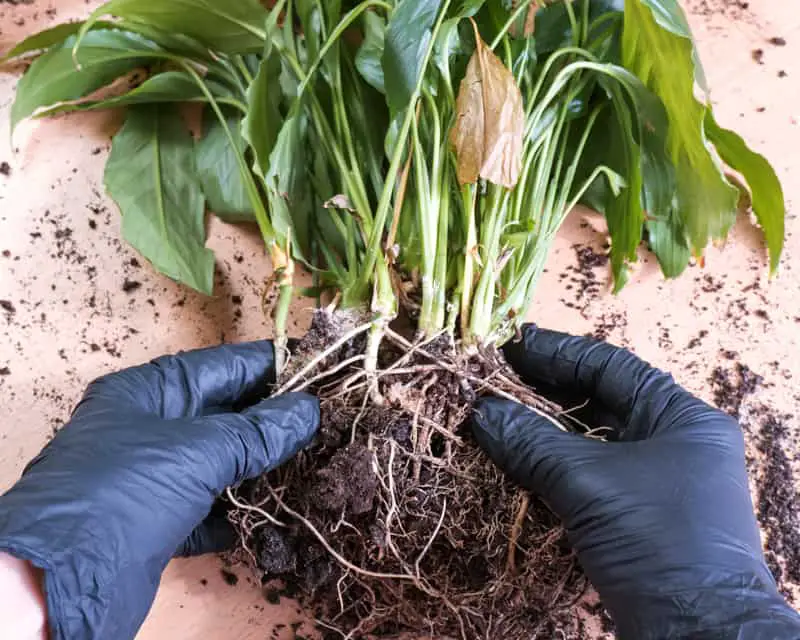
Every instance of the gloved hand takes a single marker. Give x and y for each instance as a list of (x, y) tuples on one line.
[(662, 518), (131, 480)]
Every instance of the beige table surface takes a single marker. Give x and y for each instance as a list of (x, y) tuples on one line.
[(73, 321)]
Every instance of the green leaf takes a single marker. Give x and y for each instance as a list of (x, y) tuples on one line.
[(174, 42), (368, 59), (48, 38), (218, 169), (764, 187), (230, 26), (554, 29), (152, 176), (624, 212), (53, 78), (657, 47), (170, 86), (287, 194), (667, 240), (407, 38), (465, 8), (669, 15), (263, 122)]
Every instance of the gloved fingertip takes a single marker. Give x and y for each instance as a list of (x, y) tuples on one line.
[(505, 429), (286, 423), (214, 535)]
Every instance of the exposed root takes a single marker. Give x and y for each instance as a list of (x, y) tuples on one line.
[(394, 524)]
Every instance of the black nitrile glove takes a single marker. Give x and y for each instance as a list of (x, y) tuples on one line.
[(131, 481), (662, 519)]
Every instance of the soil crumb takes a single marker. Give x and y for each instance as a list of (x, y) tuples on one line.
[(229, 577), (129, 286), (5, 169), (732, 387)]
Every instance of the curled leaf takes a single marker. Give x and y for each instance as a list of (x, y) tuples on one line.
[(340, 201), (488, 133)]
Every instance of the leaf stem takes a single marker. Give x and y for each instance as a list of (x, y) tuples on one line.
[(262, 217)]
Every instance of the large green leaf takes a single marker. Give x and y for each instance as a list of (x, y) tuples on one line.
[(48, 38), (286, 190), (408, 36), (170, 86), (765, 189), (657, 47), (230, 26), (264, 120), (152, 176), (53, 78), (368, 59), (218, 169)]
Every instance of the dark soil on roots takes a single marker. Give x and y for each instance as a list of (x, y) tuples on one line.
[(393, 523)]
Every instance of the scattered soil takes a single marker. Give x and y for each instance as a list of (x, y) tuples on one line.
[(394, 522), (585, 279), (732, 387), (778, 505), (5, 169), (777, 498), (778, 41), (732, 9)]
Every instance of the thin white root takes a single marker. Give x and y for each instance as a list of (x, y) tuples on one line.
[(322, 356), (339, 558), (248, 507), (396, 337), (329, 372), (431, 539), (374, 340)]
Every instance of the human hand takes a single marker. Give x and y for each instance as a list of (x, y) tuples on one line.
[(130, 481), (661, 518)]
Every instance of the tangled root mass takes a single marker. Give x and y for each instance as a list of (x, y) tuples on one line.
[(393, 524)]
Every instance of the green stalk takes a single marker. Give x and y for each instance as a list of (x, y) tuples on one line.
[(375, 241), (281, 318), (281, 258), (253, 194), (483, 303), (469, 196)]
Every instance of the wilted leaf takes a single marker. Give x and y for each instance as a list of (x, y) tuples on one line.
[(490, 122), (763, 184), (340, 201), (151, 175)]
